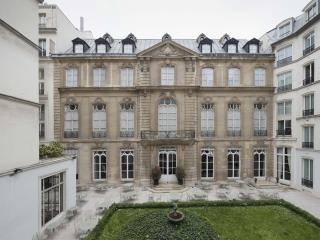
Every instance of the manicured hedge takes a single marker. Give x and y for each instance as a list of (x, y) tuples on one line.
[(97, 231)]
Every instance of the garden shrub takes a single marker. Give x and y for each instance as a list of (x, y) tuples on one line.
[(54, 149)]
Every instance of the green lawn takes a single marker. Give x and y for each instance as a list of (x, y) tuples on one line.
[(231, 223)]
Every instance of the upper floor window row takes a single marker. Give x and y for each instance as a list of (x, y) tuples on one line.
[(309, 45), (311, 12), (285, 29), (284, 56)]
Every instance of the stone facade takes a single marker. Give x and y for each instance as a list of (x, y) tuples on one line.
[(146, 94)]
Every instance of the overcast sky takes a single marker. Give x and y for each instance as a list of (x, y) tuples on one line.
[(180, 18)]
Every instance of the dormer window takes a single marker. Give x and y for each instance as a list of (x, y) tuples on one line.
[(232, 48), (128, 48), (253, 48), (78, 48), (101, 48), (206, 48), (102, 45), (284, 30), (205, 43), (311, 12), (129, 44)]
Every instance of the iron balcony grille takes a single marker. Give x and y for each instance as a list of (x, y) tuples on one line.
[(42, 25), (71, 134), (234, 133), (284, 88), (308, 112), (307, 144), (308, 81), (127, 134), (181, 134), (258, 132), (307, 183), (308, 50), (99, 134), (284, 132), (42, 53), (207, 133), (284, 61)]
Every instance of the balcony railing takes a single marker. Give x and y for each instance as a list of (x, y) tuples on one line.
[(207, 133), (99, 134), (154, 135), (284, 61), (127, 134), (234, 133), (284, 132), (308, 81), (258, 132), (284, 88), (71, 134), (307, 144), (42, 53), (307, 183), (308, 50), (308, 112)]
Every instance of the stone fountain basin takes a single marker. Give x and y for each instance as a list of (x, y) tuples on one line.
[(175, 217)]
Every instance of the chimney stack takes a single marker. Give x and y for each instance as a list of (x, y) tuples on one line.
[(81, 24)]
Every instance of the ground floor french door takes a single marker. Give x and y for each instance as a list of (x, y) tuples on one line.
[(167, 159)]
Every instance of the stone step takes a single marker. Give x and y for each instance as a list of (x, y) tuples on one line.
[(168, 188), (266, 184)]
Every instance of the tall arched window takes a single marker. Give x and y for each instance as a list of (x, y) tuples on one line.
[(207, 164), (99, 120), (71, 121), (167, 116), (259, 163), (233, 163), (99, 165)]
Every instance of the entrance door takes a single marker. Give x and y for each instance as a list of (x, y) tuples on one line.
[(168, 163)]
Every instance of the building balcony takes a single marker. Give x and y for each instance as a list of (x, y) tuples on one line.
[(284, 132), (284, 88), (258, 132), (307, 144), (308, 112), (99, 134), (71, 134), (207, 133), (42, 53), (307, 183), (284, 61), (234, 133), (308, 50), (127, 134), (308, 81), (161, 137)]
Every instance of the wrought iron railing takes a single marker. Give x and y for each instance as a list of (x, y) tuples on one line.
[(284, 132), (71, 134), (307, 144), (308, 80), (181, 134), (234, 133), (308, 112), (207, 133), (306, 182), (284, 61), (308, 50), (284, 88), (127, 134), (258, 132), (99, 134)]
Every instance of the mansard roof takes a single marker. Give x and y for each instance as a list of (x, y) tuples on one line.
[(252, 41), (230, 41), (130, 39), (102, 41)]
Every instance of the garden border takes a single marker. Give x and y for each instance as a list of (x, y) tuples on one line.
[(96, 232)]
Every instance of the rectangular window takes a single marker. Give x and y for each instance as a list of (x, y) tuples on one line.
[(206, 48), (126, 77), (41, 129), (308, 74), (232, 48), (259, 163), (42, 20), (234, 77), (253, 48), (284, 56), (234, 120), (167, 76), (99, 121), (308, 105), (207, 77), (284, 108), (127, 161), (233, 163), (71, 77), (42, 112), (43, 47), (52, 197), (71, 121), (307, 173), (311, 12), (260, 120), (128, 48), (99, 165), (41, 88), (41, 73), (309, 43), (207, 163), (284, 128), (308, 137), (284, 81), (127, 120), (99, 77), (284, 163), (78, 48), (101, 48), (284, 30), (260, 77), (207, 120)]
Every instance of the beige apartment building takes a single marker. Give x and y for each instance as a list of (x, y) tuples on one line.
[(128, 105)]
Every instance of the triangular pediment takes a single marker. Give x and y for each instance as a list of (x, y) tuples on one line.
[(168, 48)]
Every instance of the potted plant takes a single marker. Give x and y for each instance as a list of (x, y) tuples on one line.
[(180, 174), (156, 175)]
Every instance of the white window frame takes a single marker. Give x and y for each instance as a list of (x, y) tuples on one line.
[(207, 75), (167, 76), (232, 48), (234, 117), (127, 75), (311, 12), (42, 19), (260, 77), (78, 48), (206, 48), (167, 115), (308, 101), (71, 77), (101, 48), (99, 77), (253, 48), (233, 152), (260, 117), (234, 76), (207, 117), (127, 118), (71, 116), (310, 171), (259, 152), (281, 158), (287, 108), (308, 134), (284, 53), (100, 153), (99, 118), (284, 79), (126, 153), (309, 40), (285, 29), (312, 70), (209, 153), (128, 48)]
